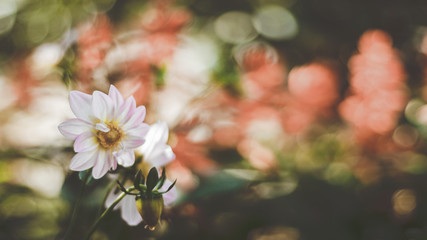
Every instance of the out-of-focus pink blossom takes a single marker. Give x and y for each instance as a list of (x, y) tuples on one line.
[(163, 23), (140, 86), (314, 84), (23, 82), (259, 156), (193, 155), (377, 95), (93, 42), (262, 70), (313, 90)]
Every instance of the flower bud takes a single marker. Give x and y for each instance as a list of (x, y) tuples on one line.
[(150, 209)]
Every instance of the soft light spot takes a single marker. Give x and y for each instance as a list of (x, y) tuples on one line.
[(404, 201), (275, 22), (405, 136), (44, 178), (8, 10), (200, 133), (235, 27)]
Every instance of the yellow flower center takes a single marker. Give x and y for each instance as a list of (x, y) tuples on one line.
[(110, 139)]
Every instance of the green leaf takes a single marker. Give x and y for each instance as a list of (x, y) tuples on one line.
[(152, 179)]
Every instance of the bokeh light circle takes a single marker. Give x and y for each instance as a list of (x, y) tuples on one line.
[(235, 27), (275, 22)]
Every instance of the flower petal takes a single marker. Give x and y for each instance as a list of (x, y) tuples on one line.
[(160, 156), (137, 117), (102, 106), (102, 127), (111, 197), (130, 212), (116, 97), (72, 128), (157, 134), (83, 161), (170, 197), (132, 142), (80, 104), (102, 164), (160, 131), (126, 158), (126, 110), (140, 130), (85, 142)]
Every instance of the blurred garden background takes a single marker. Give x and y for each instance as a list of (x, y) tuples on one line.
[(289, 119)]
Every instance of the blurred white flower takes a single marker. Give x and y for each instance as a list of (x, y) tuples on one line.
[(156, 153), (155, 150), (106, 131)]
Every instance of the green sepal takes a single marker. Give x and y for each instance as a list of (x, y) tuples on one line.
[(152, 179), (137, 179), (162, 179), (169, 188)]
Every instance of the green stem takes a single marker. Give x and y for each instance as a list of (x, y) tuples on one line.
[(107, 211), (76, 206), (109, 189)]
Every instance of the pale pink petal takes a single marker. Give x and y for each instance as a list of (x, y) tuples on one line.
[(102, 106), (113, 161), (111, 197), (116, 97), (72, 128), (83, 161), (129, 211), (126, 158), (161, 156), (140, 130), (80, 104), (126, 110), (137, 117), (102, 127), (161, 131), (131, 141), (157, 135), (102, 164), (170, 197), (85, 142)]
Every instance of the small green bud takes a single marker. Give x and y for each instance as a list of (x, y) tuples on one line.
[(150, 209)]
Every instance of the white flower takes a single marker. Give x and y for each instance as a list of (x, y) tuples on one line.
[(106, 131), (156, 153), (155, 150)]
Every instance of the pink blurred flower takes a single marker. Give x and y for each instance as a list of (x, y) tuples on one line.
[(259, 156), (163, 23), (23, 82), (315, 84), (262, 70), (313, 90), (377, 95), (193, 155), (93, 42), (106, 131)]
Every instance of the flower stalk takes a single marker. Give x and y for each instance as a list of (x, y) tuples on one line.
[(77, 206), (107, 211)]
